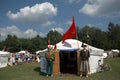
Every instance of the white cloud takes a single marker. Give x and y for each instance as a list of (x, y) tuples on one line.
[(74, 1), (107, 8), (30, 33), (9, 30), (42, 34), (37, 14), (48, 23), (90, 25), (60, 30), (69, 22), (13, 30)]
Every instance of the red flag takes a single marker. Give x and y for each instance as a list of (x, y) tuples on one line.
[(71, 33)]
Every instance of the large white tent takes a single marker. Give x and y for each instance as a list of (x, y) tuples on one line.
[(72, 45), (95, 53), (3, 58)]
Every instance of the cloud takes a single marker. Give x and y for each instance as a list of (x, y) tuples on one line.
[(106, 8), (37, 14), (69, 22), (90, 25), (9, 30), (59, 29), (48, 23), (13, 30), (30, 33), (74, 1)]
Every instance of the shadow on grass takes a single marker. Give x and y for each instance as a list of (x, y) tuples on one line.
[(37, 69)]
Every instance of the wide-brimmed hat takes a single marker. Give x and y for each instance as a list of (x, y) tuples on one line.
[(83, 45)]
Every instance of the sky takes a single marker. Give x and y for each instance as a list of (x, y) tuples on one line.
[(28, 18)]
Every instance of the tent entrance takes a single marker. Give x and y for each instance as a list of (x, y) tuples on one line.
[(68, 62)]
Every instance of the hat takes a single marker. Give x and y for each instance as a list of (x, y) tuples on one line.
[(83, 45)]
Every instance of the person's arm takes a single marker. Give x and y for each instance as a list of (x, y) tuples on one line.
[(46, 56)]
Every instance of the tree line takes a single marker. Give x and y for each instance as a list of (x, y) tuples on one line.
[(94, 36)]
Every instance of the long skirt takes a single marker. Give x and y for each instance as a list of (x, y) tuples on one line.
[(84, 66)]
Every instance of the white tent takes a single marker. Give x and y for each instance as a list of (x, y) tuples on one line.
[(72, 45), (95, 53), (22, 52), (113, 53), (3, 58)]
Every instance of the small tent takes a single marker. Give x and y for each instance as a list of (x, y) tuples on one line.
[(3, 58), (69, 57)]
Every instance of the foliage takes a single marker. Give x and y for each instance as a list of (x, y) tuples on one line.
[(106, 40), (102, 39), (54, 37)]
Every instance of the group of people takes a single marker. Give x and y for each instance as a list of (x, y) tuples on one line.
[(18, 58), (84, 56)]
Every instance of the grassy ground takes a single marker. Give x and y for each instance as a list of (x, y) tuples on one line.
[(31, 71)]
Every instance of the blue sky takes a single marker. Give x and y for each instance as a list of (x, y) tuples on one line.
[(28, 18)]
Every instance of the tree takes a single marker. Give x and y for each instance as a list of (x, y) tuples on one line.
[(54, 37), (113, 35), (11, 43), (106, 40), (93, 36), (38, 43), (82, 34)]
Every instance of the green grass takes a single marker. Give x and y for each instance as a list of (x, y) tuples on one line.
[(31, 71)]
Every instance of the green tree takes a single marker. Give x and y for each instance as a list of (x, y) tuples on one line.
[(54, 37), (11, 43), (113, 35), (82, 34), (38, 43), (93, 36)]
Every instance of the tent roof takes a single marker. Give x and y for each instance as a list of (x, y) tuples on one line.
[(72, 45), (3, 52), (22, 51), (69, 44)]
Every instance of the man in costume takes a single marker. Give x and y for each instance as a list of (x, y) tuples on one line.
[(49, 59), (84, 54)]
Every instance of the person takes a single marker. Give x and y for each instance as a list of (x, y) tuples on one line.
[(49, 59), (13, 59), (84, 54), (10, 60), (100, 68), (17, 55), (37, 58)]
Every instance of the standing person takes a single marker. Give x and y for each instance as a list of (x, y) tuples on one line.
[(84, 54), (49, 59), (13, 58)]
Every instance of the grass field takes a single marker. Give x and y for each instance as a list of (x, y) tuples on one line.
[(31, 71)]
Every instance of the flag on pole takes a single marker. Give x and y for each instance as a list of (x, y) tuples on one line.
[(88, 36), (55, 47), (48, 43), (71, 33)]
